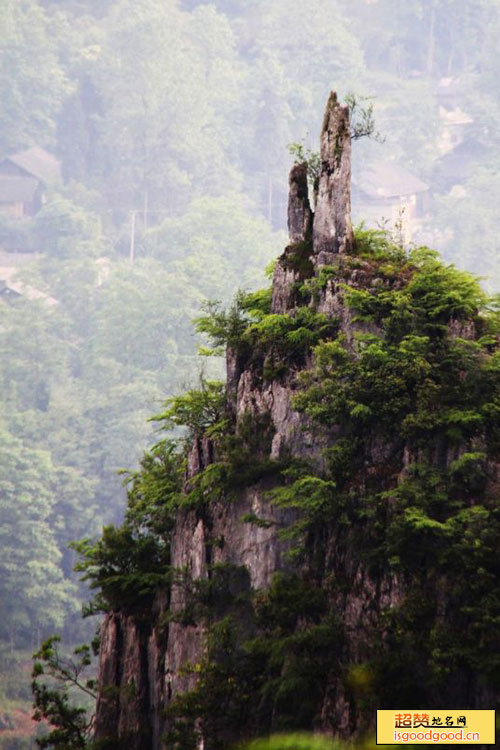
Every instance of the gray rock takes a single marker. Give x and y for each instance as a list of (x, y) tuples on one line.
[(299, 210), (332, 228)]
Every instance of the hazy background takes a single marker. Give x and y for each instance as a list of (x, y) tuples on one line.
[(143, 169)]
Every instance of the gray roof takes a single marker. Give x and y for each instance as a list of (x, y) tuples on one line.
[(17, 189), (11, 284), (39, 163), (386, 179)]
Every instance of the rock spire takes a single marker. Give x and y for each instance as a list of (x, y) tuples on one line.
[(332, 229)]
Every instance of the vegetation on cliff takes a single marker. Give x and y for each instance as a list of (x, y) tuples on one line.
[(409, 409)]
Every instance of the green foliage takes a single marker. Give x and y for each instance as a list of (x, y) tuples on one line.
[(301, 154), (254, 519), (214, 700), (442, 292), (16, 233), (378, 244), (433, 295), (53, 679), (241, 460), (64, 229), (257, 304), (287, 338), (225, 591), (307, 493), (253, 643), (126, 566), (414, 374), (227, 327), (200, 411), (291, 333), (32, 80), (216, 245), (141, 319), (272, 340), (415, 389), (361, 117), (154, 490), (33, 588), (297, 257), (288, 599), (312, 287), (468, 472), (375, 388)]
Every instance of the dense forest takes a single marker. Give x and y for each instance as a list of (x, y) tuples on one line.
[(170, 123)]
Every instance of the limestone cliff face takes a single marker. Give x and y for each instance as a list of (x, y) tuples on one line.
[(143, 659)]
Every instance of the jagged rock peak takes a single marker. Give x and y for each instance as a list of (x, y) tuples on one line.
[(299, 210), (332, 228), (316, 238)]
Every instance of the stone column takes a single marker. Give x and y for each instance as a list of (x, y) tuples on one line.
[(332, 229), (299, 210)]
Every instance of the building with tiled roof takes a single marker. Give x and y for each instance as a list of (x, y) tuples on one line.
[(24, 177)]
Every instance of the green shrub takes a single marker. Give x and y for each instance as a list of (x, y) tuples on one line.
[(198, 410)]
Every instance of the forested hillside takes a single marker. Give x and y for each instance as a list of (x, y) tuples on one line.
[(170, 122)]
